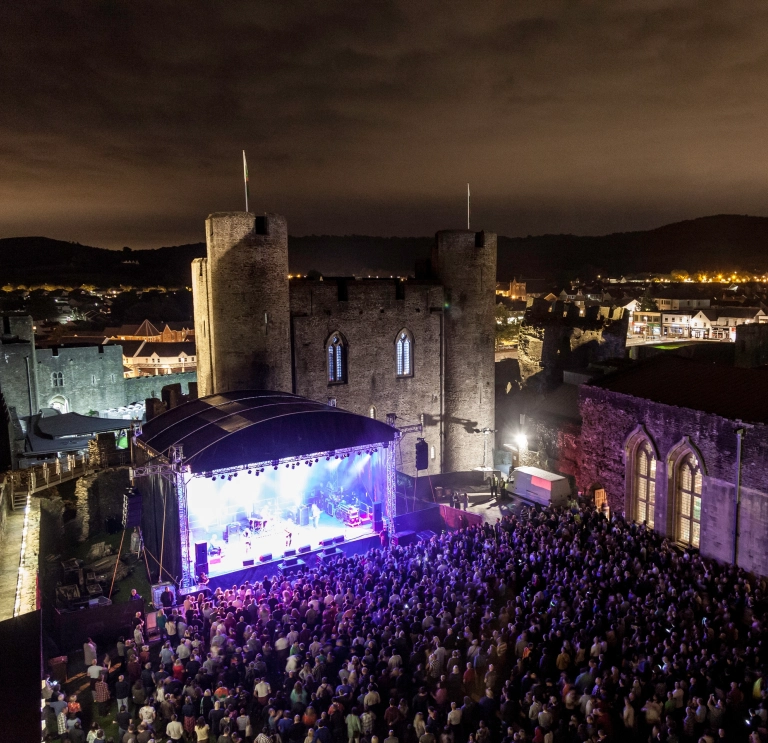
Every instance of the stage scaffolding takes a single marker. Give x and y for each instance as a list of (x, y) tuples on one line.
[(175, 467)]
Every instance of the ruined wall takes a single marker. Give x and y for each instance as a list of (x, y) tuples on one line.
[(138, 389), (555, 337), (370, 316), (248, 307), (608, 420), (465, 264)]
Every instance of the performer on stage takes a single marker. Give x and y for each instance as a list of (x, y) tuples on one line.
[(288, 538), (315, 515)]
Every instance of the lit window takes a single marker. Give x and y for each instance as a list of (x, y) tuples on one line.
[(645, 484), (404, 354), (688, 497), (57, 379), (337, 360)]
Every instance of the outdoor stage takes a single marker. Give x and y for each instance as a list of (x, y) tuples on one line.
[(245, 478), (241, 516)]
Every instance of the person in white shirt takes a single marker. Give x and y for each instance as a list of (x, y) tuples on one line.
[(95, 670), (174, 730)]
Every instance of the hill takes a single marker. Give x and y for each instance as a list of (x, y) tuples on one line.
[(721, 242)]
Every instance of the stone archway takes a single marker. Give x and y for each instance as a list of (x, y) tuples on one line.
[(60, 403)]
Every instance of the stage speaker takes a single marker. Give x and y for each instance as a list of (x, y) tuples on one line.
[(422, 455), (339, 540), (265, 558), (326, 542), (304, 516), (289, 553), (201, 551), (201, 567), (305, 548), (247, 563), (131, 510), (378, 512)]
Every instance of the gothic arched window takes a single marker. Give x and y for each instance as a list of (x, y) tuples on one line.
[(404, 354), (688, 500), (645, 484), (336, 353)]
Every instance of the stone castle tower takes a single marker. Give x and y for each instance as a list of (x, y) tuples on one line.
[(242, 304), (257, 330), (465, 264)]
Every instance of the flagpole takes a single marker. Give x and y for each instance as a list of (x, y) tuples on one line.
[(468, 205), (245, 179)]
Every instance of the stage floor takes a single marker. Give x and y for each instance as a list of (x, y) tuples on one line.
[(235, 552)]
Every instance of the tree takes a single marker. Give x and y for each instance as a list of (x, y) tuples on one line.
[(647, 303)]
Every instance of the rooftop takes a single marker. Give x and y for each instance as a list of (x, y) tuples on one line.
[(730, 392), (254, 426)]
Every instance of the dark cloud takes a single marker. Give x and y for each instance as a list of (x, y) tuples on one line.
[(122, 122)]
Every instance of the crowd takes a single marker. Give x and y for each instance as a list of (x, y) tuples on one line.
[(551, 627)]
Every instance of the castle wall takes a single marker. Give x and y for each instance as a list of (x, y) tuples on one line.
[(138, 389), (465, 263), (553, 338), (92, 375), (370, 319), (248, 302), (608, 420)]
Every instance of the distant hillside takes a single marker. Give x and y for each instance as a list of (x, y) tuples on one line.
[(722, 242)]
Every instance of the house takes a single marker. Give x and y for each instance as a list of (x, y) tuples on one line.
[(676, 323), (152, 358), (719, 323), (171, 332)]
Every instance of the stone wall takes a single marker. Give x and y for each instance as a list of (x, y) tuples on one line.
[(610, 419), (92, 375), (247, 312), (370, 319), (553, 446), (555, 337), (465, 264), (138, 389)]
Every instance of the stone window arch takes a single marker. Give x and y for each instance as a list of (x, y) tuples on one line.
[(641, 463), (336, 355), (686, 480), (57, 379), (404, 353)]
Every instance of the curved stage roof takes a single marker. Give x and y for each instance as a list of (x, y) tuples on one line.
[(251, 426)]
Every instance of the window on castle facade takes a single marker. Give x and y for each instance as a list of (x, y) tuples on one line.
[(645, 484), (57, 379), (337, 360), (688, 499), (404, 354)]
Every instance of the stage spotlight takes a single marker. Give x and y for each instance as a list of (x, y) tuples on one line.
[(257, 473), (262, 469), (229, 478), (249, 472), (327, 458), (235, 474), (213, 477), (275, 466), (316, 460)]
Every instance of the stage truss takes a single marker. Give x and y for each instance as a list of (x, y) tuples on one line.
[(174, 466)]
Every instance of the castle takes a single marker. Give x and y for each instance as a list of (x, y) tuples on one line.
[(421, 349)]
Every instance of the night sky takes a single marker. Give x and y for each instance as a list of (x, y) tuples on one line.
[(123, 123)]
